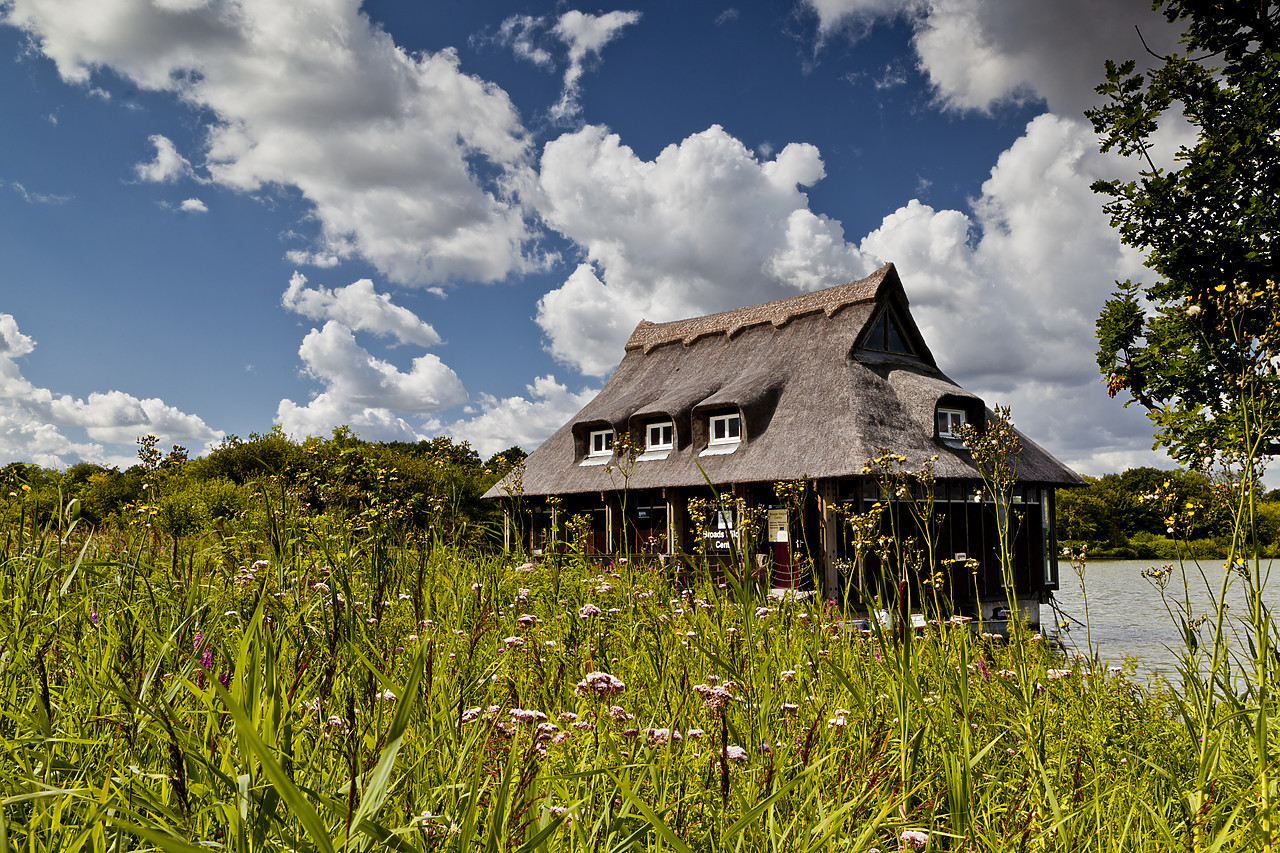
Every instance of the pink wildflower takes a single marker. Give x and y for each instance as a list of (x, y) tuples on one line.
[(599, 684), (914, 838)]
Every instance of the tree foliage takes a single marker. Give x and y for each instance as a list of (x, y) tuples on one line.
[(1114, 508), (1198, 348), (429, 488)]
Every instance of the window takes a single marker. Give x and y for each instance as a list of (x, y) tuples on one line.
[(601, 443), (726, 429), (949, 423), (886, 335), (660, 436)]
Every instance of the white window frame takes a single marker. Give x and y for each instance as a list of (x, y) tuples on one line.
[(732, 418), (656, 428), (606, 439), (955, 418)]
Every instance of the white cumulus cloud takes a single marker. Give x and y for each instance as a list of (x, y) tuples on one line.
[(364, 392), (520, 33), (360, 308), (581, 34), (703, 227), (167, 166), (1007, 295), (193, 205), (1006, 292), (36, 424), (524, 421), (386, 146), (585, 35), (978, 53)]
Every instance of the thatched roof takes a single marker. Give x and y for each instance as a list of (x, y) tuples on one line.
[(815, 400)]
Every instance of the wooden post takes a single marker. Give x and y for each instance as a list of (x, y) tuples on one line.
[(610, 521), (675, 521), (830, 536)]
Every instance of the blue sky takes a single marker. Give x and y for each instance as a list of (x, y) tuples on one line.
[(446, 218)]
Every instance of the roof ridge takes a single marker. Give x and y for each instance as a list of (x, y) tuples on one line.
[(648, 335)]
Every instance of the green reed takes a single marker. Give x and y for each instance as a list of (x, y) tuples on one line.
[(355, 691)]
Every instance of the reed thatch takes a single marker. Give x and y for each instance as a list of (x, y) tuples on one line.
[(814, 402)]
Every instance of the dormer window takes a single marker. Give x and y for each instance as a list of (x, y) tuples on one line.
[(887, 335), (949, 423), (600, 443), (660, 436), (725, 429)]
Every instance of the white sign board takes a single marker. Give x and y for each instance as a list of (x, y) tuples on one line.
[(777, 521)]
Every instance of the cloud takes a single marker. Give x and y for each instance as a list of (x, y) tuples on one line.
[(727, 16), (519, 420), (585, 35), (34, 422), (167, 166), (388, 147), (980, 54), (1007, 296), (855, 17), (703, 227), (1006, 292), (360, 390), (193, 205), (358, 307), (38, 198), (519, 33), (892, 77), (365, 392)]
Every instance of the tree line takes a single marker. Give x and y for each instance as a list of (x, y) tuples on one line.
[(433, 487), (430, 487), (1158, 514)]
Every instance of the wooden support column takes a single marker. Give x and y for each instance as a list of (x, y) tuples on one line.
[(675, 520), (830, 536), (610, 522)]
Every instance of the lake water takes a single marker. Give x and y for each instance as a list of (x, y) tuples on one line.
[(1128, 616)]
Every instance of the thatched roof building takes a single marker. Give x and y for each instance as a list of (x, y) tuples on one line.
[(806, 388)]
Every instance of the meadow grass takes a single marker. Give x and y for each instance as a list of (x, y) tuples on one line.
[(355, 694)]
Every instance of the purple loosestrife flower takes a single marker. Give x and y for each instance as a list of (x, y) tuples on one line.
[(982, 667)]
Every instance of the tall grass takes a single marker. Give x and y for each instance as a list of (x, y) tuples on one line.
[(347, 692)]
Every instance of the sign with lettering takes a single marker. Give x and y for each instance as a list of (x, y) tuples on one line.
[(778, 525)]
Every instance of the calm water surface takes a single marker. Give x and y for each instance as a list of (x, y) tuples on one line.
[(1127, 615)]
